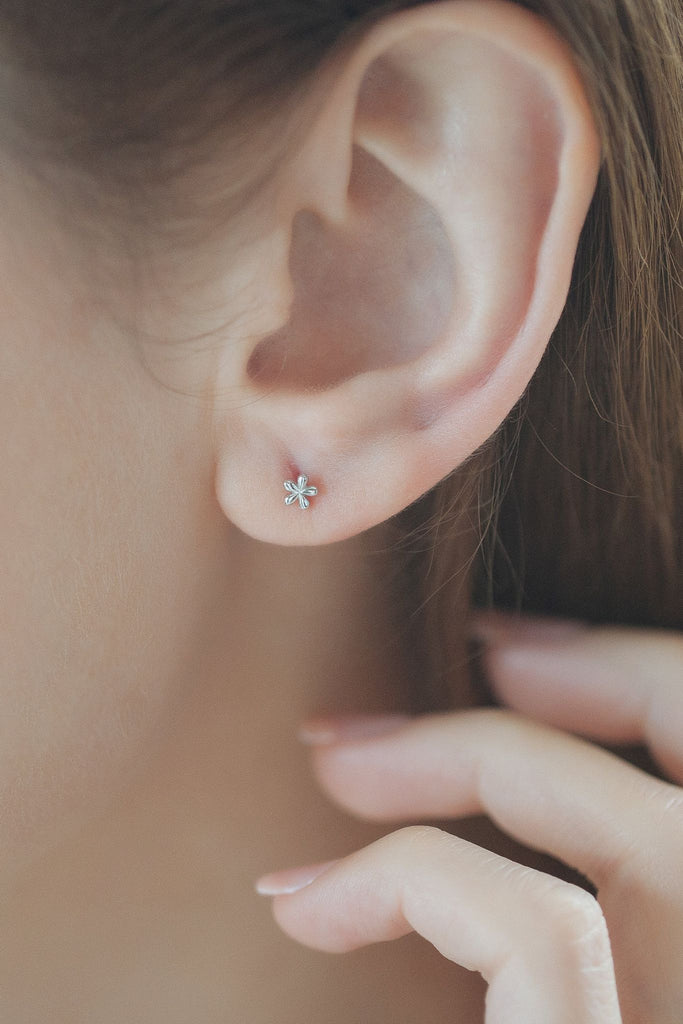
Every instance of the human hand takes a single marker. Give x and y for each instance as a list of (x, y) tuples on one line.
[(548, 949)]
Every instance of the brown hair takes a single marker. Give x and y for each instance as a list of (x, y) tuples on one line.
[(575, 504)]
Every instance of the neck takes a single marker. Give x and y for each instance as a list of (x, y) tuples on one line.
[(291, 632), (228, 793), (304, 631)]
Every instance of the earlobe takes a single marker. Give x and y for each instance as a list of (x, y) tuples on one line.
[(433, 214)]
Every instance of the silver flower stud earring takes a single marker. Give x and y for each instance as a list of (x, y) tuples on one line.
[(299, 490)]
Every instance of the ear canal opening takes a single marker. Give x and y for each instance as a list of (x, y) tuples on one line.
[(370, 294)]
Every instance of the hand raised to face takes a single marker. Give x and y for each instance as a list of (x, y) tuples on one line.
[(549, 950)]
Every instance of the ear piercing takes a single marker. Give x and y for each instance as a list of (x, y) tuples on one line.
[(300, 490)]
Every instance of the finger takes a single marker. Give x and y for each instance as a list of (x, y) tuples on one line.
[(613, 684), (550, 790), (540, 943)]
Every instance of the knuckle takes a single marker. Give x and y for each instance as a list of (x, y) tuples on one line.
[(576, 945), (666, 811), (421, 836), (670, 799), (568, 941), (574, 917), (667, 826), (645, 846), (645, 864), (496, 718), (431, 845), (663, 813), (415, 845)]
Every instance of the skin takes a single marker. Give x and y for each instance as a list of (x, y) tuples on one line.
[(549, 951), (141, 817), (169, 626)]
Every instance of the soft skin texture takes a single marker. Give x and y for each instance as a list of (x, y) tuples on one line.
[(158, 655), (550, 952)]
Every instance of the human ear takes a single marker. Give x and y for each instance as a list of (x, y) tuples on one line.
[(422, 249)]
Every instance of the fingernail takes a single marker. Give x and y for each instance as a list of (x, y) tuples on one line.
[(280, 883), (497, 627), (320, 731)]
